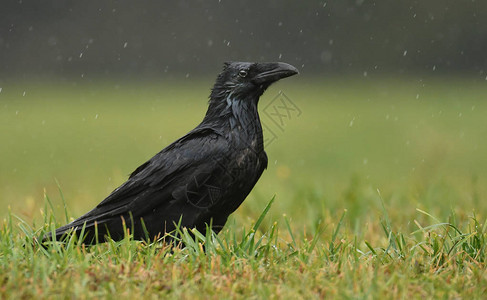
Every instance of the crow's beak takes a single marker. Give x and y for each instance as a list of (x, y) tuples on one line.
[(271, 72)]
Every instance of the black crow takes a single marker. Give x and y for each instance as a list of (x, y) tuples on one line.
[(200, 178)]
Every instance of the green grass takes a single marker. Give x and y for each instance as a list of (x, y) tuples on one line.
[(379, 190)]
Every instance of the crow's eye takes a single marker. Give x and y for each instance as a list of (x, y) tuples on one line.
[(242, 73)]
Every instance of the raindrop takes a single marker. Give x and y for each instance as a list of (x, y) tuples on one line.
[(81, 55), (417, 96), (434, 67), (280, 55), (187, 75), (365, 73), (125, 45), (16, 112), (23, 94), (0, 89), (96, 116), (405, 53), (351, 122), (279, 24)]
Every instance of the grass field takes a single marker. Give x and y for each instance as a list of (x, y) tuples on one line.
[(379, 189)]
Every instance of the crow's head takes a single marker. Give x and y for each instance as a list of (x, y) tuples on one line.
[(249, 80)]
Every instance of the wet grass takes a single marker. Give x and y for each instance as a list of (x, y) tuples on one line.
[(379, 189)]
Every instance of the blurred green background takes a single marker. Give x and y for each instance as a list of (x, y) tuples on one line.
[(392, 98), (421, 143)]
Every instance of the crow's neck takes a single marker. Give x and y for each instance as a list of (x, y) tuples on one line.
[(238, 117)]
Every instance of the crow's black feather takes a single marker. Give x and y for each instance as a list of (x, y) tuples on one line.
[(200, 178)]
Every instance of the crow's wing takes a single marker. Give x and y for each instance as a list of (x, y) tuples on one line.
[(185, 171)]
